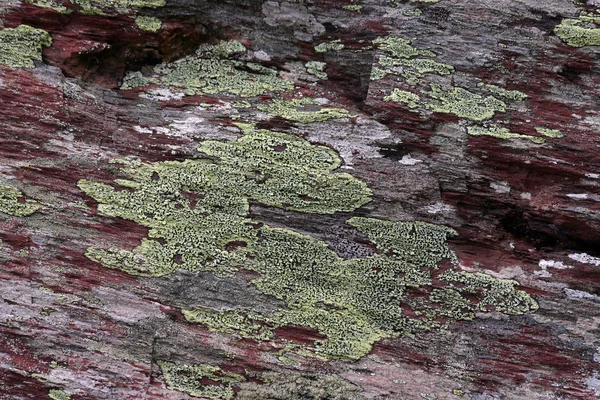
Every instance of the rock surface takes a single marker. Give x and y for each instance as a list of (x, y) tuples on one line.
[(302, 199)]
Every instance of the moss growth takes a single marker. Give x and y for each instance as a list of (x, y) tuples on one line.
[(211, 71), (501, 133), (317, 68), (56, 394), (299, 110), (189, 378), (10, 204), (21, 46), (335, 45), (352, 302), (150, 24), (551, 133), (514, 95), (580, 32), (409, 99)]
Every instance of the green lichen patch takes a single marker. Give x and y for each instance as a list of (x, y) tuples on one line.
[(501, 133), (189, 378), (513, 95), (248, 324), (150, 24), (419, 243), (291, 385), (10, 202), (414, 12), (463, 103), (334, 45), (409, 99), (357, 302), (50, 4), (272, 168), (211, 71), (303, 110), (21, 46), (400, 57), (580, 32), (353, 7), (551, 133), (317, 68), (400, 48), (56, 394), (197, 212), (121, 6)]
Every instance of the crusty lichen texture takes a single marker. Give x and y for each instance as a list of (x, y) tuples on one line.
[(291, 385), (316, 68), (10, 202), (57, 394), (197, 212), (304, 110), (580, 32), (425, 88), (50, 4), (501, 133), (120, 6), (212, 70), (400, 57), (21, 46), (189, 379), (269, 167), (150, 24)]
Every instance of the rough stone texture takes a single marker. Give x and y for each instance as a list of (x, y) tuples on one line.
[(524, 209)]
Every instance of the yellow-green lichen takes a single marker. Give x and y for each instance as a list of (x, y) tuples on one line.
[(400, 57), (580, 32), (197, 212), (150, 24), (353, 7), (21, 46), (211, 71), (56, 394), (10, 202), (303, 110), (121, 6), (551, 133), (317, 68), (409, 99), (50, 4), (357, 302), (414, 12), (334, 45), (400, 48), (248, 324), (501, 133), (463, 103), (272, 168), (290, 385), (514, 95), (189, 378)]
